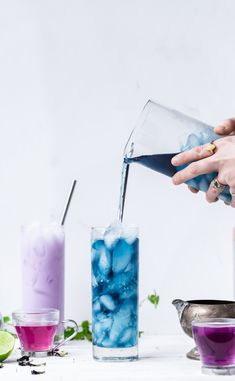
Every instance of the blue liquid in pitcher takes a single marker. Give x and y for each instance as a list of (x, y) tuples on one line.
[(162, 163)]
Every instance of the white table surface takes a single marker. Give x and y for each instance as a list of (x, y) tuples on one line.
[(161, 358)]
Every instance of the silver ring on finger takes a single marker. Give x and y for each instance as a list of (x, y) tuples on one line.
[(217, 185), (214, 190)]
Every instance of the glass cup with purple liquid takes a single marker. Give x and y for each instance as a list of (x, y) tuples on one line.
[(36, 330), (215, 339)]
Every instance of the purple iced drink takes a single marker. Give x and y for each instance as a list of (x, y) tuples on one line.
[(43, 267), (216, 343)]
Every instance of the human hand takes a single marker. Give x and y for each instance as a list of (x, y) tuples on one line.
[(227, 127), (222, 161)]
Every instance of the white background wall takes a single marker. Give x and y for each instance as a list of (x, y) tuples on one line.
[(74, 76)]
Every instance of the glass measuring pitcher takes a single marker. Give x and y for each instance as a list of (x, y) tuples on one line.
[(160, 134)]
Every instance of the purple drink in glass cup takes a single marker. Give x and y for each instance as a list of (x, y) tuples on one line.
[(215, 339), (36, 338), (36, 329), (43, 268)]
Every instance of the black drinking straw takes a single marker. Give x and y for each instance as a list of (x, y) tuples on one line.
[(68, 202)]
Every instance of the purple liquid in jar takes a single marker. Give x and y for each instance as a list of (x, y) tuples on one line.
[(216, 344)]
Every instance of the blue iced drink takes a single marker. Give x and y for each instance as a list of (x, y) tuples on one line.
[(115, 292)]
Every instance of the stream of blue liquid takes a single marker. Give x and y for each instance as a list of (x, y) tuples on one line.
[(162, 163)]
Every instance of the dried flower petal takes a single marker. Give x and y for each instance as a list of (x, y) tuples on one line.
[(57, 352), (24, 361), (35, 364), (23, 358), (34, 371)]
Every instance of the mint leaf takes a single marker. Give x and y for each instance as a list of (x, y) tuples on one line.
[(89, 336), (68, 332), (79, 336), (154, 299), (6, 319), (85, 326), (140, 333)]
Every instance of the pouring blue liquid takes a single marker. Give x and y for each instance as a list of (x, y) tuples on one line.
[(162, 163)]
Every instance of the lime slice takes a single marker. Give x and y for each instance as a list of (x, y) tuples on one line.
[(7, 342)]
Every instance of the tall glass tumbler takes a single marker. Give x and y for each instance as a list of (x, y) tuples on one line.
[(42, 247), (114, 268)]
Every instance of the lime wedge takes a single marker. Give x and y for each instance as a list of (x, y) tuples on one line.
[(7, 342)]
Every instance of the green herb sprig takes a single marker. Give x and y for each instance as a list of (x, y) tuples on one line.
[(152, 298), (8, 326), (6, 319)]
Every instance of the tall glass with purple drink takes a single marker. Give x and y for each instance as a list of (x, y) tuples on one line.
[(115, 293), (42, 249)]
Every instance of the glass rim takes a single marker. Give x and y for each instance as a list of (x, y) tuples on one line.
[(124, 227), (35, 311), (214, 322), (41, 224), (35, 317)]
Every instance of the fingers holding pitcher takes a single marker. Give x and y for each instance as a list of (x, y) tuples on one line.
[(194, 169), (194, 154)]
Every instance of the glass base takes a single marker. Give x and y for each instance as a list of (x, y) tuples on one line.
[(115, 354), (219, 370), (35, 353)]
